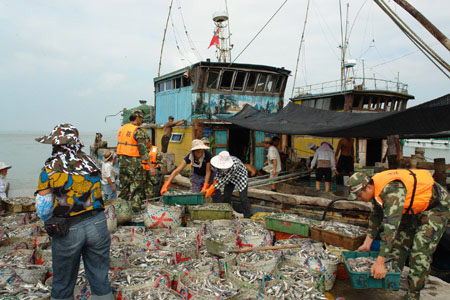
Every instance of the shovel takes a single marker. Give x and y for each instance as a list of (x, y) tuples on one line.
[(219, 249)]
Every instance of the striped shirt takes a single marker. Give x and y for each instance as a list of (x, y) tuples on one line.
[(236, 175)]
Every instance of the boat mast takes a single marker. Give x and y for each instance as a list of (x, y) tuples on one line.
[(343, 49), (425, 22), (224, 48), (164, 38)]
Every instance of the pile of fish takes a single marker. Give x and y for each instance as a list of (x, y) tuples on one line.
[(24, 291), (290, 290), (342, 228), (211, 287), (292, 218), (177, 192), (157, 294), (364, 264), (298, 273), (139, 257), (216, 206)]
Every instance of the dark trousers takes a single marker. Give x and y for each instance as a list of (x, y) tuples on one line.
[(228, 190)]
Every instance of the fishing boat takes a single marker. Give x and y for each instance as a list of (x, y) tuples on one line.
[(206, 93)]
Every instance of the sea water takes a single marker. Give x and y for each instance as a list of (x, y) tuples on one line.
[(27, 157)]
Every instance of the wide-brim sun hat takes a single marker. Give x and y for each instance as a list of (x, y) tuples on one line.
[(62, 134), (311, 146), (4, 166), (222, 161), (198, 145), (205, 141), (107, 155), (356, 183)]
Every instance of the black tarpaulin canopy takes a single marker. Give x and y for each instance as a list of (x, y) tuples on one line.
[(430, 119)]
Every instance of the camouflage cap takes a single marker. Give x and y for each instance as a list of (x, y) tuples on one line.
[(62, 134), (137, 113), (356, 183)]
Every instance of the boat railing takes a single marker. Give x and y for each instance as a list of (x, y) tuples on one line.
[(353, 83)]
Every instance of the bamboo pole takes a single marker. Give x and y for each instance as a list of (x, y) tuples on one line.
[(425, 22)]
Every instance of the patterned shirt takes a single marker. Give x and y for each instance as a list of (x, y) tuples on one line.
[(141, 138), (74, 194), (236, 175)]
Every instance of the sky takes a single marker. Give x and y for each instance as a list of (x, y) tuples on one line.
[(79, 61)]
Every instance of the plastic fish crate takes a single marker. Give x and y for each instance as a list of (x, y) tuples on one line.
[(296, 228), (184, 199), (197, 213), (337, 239), (363, 280)]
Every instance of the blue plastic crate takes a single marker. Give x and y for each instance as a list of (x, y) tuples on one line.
[(363, 280)]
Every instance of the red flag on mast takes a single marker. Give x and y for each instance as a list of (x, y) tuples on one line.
[(215, 39)]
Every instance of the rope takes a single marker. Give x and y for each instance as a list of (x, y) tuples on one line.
[(300, 48), (190, 41), (415, 39), (270, 19)]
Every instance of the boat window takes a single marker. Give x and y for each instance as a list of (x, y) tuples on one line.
[(161, 87), (270, 83), (186, 81), (323, 103), (337, 103), (251, 82), (398, 104), (373, 105), (177, 82), (261, 82), (239, 81), (355, 102), (213, 77), (389, 105), (168, 85), (365, 104), (319, 103), (227, 77), (279, 84)]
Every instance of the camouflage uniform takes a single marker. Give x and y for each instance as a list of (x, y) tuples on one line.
[(403, 235), (132, 176), (153, 183)]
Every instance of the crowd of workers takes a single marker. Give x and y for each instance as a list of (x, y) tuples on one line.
[(410, 210)]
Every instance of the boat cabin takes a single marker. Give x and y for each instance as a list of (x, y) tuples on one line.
[(362, 95), (205, 94)]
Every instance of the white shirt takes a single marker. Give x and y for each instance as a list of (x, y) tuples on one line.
[(108, 171), (272, 154), (323, 155), (3, 186)]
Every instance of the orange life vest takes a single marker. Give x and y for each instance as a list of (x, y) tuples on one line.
[(152, 154), (418, 183), (126, 144)]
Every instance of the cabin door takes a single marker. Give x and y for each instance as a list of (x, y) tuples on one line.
[(373, 155), (239, 143), (220, 141), (259, 150)]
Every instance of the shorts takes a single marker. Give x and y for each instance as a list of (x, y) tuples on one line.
[(323, 172), (345, 164), (165, 143)]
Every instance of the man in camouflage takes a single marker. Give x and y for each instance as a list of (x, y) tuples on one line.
[(132, 176), (153, 176), (405, 230)]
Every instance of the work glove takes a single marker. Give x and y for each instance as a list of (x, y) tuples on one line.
[(205, 186), (210, 191), (164, 187)]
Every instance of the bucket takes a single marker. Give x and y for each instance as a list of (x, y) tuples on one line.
[(162, 216), (328, 268)]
